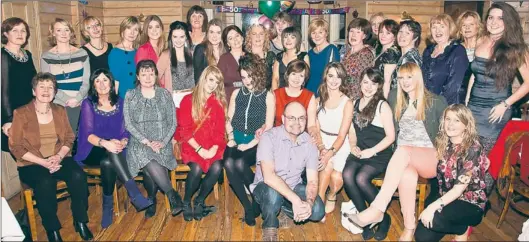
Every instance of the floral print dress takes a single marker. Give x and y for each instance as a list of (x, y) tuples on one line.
[(455, 169), (355, 63)]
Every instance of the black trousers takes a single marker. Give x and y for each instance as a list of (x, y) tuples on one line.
[(111, 165), (44, 186), (453, 219)]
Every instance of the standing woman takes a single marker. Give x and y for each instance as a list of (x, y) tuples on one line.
[(121, 57), (445, 62), (335, 112), (500, 55), (97, 48), (322, 53), (202, 132), (257, 42), (101, 140), (360, 56), (389, 54), (152, 40), (251, 107), (40, 140), (373, 133), (150, 118), (291, 41), (375, 21), (417, 114), (17, 71), (233, 39), (461, 173), (408, 38), (281, 20), (296, 75), (209, 51), (70, 66), (470, 30), (176, 63), (197, 22)]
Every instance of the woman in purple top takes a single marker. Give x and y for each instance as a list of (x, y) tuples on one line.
[(102, 138)]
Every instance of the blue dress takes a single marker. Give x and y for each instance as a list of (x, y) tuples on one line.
[(123, 68), (483, 97), (318, 61)]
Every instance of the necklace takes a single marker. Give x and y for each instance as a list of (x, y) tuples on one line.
[(102, 46), (45, 112), (21, 56), (66, 76)]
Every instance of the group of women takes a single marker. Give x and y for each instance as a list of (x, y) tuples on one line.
[(205, 93)]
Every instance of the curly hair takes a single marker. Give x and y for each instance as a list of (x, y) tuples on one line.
[(256, 70), (248, 39), (470, 135)]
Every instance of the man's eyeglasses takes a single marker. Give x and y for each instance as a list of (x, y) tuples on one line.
[(294, 119)]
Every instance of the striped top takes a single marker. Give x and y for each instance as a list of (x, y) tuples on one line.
[(72, 71)]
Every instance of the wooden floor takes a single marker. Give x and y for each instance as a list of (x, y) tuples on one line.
[(226, 224)]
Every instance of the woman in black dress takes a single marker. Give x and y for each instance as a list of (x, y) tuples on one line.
[(96, 46), (17, 71)]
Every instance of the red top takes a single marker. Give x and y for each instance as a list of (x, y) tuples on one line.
[(146, 52), (212, 132), (282, 99)]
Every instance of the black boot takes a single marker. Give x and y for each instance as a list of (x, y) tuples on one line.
[(151, 211), (54, 236), (188, 211), (368, 233), (83, 230), (175, 201), (201, 210), (383, 228)]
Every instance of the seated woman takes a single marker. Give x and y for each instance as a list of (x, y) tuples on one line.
[(461, 174), (251, 107), (202, 132), (297, 75), (371, 139), (417, 114), (150, 118), (335, 112), (101, 140), (40, 139)]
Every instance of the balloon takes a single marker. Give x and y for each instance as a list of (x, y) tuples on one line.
[(286, 6), (266, 22), (269, 8)]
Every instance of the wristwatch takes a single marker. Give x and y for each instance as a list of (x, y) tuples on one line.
[(442, 205), (506, 104)]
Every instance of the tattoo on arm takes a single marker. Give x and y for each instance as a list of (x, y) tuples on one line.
[(311, 191)]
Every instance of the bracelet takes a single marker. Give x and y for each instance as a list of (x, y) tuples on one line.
[(506, 104), (99, 142), (198, 149)]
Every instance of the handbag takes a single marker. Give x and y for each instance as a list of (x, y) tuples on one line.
[(177, 147), (349, 208)]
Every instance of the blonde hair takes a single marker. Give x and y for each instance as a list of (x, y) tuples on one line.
[(462, 18), (424, 97), (210, 57), (470, 135), (199, 97), (126, 24), (162, 42), (379, 14), (319, 23), (248, 39), (84, 24), (445, 19), (52, 40)]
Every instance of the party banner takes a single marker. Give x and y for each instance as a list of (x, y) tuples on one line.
[(295, 11)]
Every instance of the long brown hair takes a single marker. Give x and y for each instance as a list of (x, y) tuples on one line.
[(199, 97), (145, 33), (470, 135), (210, 57), (323, 91), (510, 50), (367, 114)]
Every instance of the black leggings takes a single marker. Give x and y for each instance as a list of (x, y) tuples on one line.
[(156, 176), (110, 164), (357, 179), (237, 164), (194, 180)]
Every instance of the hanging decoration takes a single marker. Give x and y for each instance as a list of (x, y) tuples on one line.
[(295, 11), (286, 6), (269, 8)]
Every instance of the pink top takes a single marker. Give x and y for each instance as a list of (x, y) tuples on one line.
[(146, 52)]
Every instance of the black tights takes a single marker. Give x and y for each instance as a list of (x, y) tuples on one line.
[(237, 164), (111, 165), (194, 180), (156, 176), (357, 183)]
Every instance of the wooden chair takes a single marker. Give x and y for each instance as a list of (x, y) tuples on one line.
[(29, 202), (510, 184)]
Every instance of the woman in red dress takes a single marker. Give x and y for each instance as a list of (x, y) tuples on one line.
[(201, 130)]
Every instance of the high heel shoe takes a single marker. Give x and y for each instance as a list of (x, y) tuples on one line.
[(330, 204), (355, 219), (83, 230), (54, 236)]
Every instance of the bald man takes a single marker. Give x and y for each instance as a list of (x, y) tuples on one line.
[(284, 152)]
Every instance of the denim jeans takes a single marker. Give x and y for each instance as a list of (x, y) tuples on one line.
[(272, 202)]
